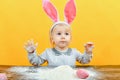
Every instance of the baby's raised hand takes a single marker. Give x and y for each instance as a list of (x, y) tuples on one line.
[(30, 46), (88, 47)]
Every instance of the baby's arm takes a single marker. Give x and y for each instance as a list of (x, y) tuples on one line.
[(87, 56), (35, 59), (32, 55)]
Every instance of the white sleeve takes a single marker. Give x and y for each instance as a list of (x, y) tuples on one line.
[(37, 59), (83, 58)]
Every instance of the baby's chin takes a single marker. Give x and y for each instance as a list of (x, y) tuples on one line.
[(63, 46)]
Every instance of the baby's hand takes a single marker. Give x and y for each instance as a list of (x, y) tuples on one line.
[(88, 47), (30, 46)]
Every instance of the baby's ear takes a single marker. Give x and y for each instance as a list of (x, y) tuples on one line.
[(71, 37), (51, 39)]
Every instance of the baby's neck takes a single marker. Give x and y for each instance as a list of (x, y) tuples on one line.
[(61, 49)]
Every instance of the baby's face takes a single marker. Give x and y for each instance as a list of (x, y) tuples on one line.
[(61, 36)]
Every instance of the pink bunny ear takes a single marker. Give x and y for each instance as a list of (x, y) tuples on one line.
[(50, 10), (70, 11)]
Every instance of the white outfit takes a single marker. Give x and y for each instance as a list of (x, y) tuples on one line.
[(57, 58)]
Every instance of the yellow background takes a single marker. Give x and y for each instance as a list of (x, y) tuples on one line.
[(97, 21)]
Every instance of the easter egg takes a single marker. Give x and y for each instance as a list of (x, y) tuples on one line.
[(3, 76), (82, 74)]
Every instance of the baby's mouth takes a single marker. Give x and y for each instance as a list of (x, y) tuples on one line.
[(62, 41)]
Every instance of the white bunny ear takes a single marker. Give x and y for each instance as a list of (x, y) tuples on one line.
[(70, 11), (50, 10)]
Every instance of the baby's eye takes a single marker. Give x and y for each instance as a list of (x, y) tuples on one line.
[(66, 33), (58, 33)]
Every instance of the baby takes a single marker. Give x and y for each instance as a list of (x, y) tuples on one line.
[(60, 54), (60, 36)]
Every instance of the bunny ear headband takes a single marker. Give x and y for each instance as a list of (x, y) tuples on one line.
[(69, 12)]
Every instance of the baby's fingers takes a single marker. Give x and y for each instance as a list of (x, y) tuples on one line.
[(90, 43), (31, 42), (36, 45), (25, 45), (28, 43)]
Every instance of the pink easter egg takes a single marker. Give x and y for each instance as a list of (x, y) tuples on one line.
[(3, 76), (82, 74)]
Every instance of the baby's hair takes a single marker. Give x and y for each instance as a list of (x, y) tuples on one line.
[(60, 23)]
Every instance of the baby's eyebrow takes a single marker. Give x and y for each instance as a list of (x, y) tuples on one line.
[(58, 31), (67, 31)]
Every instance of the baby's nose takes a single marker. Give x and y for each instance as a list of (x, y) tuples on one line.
[(63, 36)]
